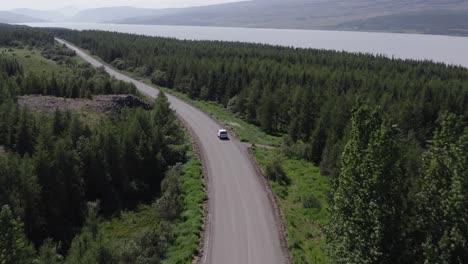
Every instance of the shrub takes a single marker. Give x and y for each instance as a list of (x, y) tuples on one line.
[(293, 149), (274, 172), (119, 64), (159, 78), (142, 71), (311, 202)]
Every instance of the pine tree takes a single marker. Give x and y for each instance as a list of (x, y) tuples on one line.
[(171, 204), (252, 101), (53, 87), (96, 179), (367, 203), (24, 135), (168, 146), (14, 248), (63, 198), (267, 111), (48, 253), (162, 110), (74, 91), (77, 129), (89, 246), (58, 123)]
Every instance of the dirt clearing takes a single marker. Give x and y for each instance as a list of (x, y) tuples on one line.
[(99, 103)]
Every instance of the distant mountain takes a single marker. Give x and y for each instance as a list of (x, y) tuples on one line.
[(68, 11), (108, 14), (448, 22), (448, 17), (300, 14), (10, 17), (49, 15)]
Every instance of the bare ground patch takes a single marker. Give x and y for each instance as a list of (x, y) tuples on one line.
[(99, 103)]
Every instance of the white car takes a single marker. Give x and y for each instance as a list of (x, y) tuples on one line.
[(223, 134)]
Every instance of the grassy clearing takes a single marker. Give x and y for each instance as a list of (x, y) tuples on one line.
[(129, 225), (34, 62), (309, 189)]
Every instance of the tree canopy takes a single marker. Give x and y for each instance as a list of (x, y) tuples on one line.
[(53, 165)]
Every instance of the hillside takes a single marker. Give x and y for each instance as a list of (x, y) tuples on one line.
[(108, 14), (299, 14), (449, 22), (447, 17), (45, 15), (10, 17)]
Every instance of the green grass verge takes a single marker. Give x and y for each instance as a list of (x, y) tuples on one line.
[(309, 189), (244, 130), (188, 231), (32, 61)]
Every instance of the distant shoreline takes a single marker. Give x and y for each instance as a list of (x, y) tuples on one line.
[(392, 45)]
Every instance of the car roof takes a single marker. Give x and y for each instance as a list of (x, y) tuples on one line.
[(222, 130)]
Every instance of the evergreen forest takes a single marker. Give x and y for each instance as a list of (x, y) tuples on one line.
[(62, 173), (391, 134)]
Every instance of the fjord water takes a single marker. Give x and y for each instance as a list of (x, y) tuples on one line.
[(444, 49)]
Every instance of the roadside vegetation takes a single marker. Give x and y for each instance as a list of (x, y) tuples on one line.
[(361, 146), (303, 195), (302, 192), (123, 186), (245, 131)]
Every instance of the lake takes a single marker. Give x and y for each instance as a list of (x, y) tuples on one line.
[(445, 49)]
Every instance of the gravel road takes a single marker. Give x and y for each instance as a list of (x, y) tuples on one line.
[(242, 227)]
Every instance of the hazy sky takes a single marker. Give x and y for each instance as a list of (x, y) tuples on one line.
[(55, 4)]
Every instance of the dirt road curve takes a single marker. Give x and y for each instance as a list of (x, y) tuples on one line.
[(241, 222)]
